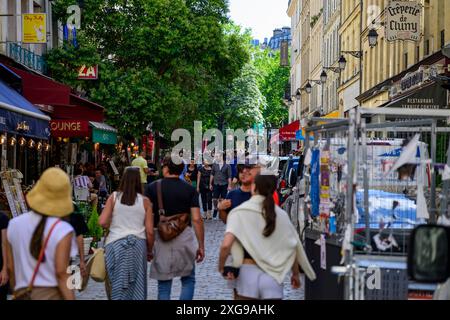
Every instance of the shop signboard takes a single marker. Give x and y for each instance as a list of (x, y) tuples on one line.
[(69, 128), (104, 137), (403, 21), (34, 28), (284, 53), (88, 72), (431, 97), (113, 166)]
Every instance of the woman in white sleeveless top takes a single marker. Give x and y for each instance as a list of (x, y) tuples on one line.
[(40, 243), (128, 216)]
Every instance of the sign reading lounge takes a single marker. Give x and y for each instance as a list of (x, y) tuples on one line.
[(69, 128)]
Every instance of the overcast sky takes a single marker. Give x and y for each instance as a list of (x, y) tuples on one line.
[(262, 16)]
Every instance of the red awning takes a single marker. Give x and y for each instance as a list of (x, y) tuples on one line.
[(69, 128), (82, 112), (42, 90), (287, 133), (79, 101)]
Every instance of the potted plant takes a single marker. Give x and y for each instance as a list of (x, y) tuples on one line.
[(95, 230)]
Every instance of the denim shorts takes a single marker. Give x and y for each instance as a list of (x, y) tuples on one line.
[(254, 283)]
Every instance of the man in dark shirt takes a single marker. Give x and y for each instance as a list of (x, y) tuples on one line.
[(238, 196), (178, 197), (4, 277)]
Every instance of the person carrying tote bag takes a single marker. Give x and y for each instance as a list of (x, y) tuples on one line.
[(129, 217), (97, 264), (40, 243)]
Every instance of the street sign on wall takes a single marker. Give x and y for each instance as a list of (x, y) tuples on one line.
[(403, 21), (34, 28)]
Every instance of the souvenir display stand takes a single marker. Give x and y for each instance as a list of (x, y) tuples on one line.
[(12, 189), (369, 180)]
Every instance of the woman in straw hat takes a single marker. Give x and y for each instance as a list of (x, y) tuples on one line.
[(40, 243)]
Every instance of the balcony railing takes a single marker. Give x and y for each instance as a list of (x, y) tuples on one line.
[(26, 57)]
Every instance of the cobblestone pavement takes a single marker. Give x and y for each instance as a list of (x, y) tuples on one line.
[(209, 283)]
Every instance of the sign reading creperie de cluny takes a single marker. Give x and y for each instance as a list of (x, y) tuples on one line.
[(403, 21)]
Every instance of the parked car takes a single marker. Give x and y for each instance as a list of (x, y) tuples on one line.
[(288, 174)]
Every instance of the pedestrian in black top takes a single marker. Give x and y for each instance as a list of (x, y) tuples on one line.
[(4, 276), (176, 258), (192, 173), (78, 223), (203, 179), (220, 181)]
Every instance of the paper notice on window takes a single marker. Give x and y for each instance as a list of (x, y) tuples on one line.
[(323, 252)]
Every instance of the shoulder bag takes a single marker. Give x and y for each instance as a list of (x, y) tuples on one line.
[(169, 227), (98, 268), (25, 294)]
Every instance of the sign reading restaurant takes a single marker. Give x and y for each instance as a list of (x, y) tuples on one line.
[(403, 21)]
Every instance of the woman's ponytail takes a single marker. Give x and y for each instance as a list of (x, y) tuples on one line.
[(266, 186), (37, 238), (269, 215)]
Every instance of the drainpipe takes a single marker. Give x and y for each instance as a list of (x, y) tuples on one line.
[(48, 10)]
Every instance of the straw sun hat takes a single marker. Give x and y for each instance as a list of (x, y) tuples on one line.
[(52, 194)]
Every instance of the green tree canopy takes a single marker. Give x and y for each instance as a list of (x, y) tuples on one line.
[(273, 80), (245, 102), (161, 61)]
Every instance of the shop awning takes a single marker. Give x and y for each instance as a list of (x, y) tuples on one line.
[(332, 115), (287, 133), (19, 116), (103, 133), (42, 90), (430, 96)]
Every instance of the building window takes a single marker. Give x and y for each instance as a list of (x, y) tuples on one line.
[(405, 61), (442, 38), (427, 47), (417, 54)]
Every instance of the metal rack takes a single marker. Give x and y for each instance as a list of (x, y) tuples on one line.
[(360, 136)]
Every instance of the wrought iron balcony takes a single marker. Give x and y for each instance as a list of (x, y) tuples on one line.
[(26, 57)]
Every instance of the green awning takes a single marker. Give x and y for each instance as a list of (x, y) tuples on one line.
[(103, 133)]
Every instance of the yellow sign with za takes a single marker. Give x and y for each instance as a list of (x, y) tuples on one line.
[(34, 28)]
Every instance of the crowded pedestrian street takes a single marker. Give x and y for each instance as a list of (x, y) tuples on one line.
[(210, 285), (247, 154)]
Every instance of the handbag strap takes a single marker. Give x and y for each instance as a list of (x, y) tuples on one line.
[(42, 254), (161, 210), (114, 197)]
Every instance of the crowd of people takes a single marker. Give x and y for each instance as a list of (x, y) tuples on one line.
[(259, 249)]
